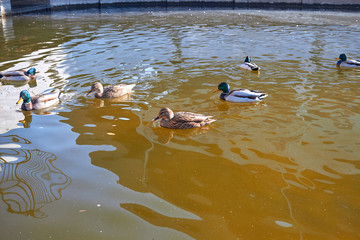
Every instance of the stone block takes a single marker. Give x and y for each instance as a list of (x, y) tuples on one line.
[(56, 3), (333, 2), (129, 1), (273, 1)]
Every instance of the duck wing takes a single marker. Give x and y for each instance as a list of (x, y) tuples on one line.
[(117, 90), (250, 66), (186, 120), (247, 93), (189, 117), (353, 62), (17, 75), (45, 100), (14, 73)]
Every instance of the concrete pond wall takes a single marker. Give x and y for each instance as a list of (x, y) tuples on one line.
[(9, 7)]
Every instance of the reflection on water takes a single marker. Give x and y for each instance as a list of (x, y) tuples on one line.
[(27, 119), (28, 179), (284, 168), (164, 136), (31, 83)]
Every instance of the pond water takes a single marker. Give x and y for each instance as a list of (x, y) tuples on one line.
[(285, 168)]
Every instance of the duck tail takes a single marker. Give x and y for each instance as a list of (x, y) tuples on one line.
[(262, 96), (209, 120), (1, 75)]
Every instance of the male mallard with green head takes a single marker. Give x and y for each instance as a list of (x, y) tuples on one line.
[(18, 75), (110, 91), (239, 95), (345, 62), (37, 102), (248, 65), (182, 120)]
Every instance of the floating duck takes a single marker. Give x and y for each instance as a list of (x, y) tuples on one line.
[(182, 120), (40, 101), (345, 62), (239, 95), (18, 75), (247, 64), (110, 91)]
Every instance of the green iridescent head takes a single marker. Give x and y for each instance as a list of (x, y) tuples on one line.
[(247, 59), (224, 87), (343, 57), (24, 95), (31, 71)]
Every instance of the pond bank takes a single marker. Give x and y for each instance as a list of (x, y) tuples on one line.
[(10, 7)]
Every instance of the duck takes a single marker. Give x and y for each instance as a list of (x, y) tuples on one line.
[(110, 91), (345, 62), (18, 75), (247, 64), (182, 120), (40, 101), (239, 95)]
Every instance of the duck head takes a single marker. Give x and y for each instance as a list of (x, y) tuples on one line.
[(343, 57), (24, 95), (31, 71), (164, 113), (247, 59), (223, 87), (97, 88)]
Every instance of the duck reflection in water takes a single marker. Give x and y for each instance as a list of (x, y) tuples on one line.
[(165, 135), (101, 102), (28, 116), (226, 106), (30, 182), (27, 119)]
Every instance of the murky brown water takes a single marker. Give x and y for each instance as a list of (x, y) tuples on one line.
[(286, 168)]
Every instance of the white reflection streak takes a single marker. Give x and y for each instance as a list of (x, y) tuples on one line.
[(7, 27), (301, 90), (288, 202), (141, 130), (147, 152), (156, 204)]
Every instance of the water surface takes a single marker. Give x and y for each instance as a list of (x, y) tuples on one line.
[(285, 168)]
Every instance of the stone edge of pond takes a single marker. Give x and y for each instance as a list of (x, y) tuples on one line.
[(169, 5)]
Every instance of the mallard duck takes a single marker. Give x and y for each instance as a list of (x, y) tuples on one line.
[(18, 75), (110, 91), (40, 101), (239, 95), (182, 120), (345, 62), (247, 64)]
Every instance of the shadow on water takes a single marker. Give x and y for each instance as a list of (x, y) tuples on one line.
[(28, 178)]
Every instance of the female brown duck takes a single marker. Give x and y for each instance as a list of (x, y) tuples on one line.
[(110, 91), (182, 120)]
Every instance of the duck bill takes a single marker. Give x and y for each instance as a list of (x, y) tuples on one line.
[(89, 92), (215, 90), (155, 119), (19, 101)]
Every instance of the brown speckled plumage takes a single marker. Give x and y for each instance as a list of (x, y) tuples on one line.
[(182, 120), (110, 91)]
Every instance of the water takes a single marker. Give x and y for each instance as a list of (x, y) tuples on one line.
[(286, 168)]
